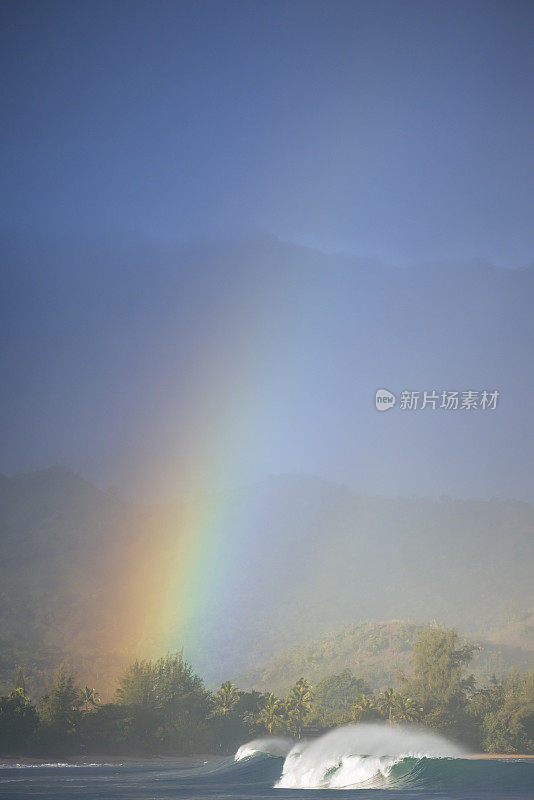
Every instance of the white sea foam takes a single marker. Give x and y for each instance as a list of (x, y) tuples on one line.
[(57, 765), (270, 745), (359, 756)]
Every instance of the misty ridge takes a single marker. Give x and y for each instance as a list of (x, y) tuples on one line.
[(307, 557), (139, 364), (136, 354)]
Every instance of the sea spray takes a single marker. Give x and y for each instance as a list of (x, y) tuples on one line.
[(359, 756), (277, 746)]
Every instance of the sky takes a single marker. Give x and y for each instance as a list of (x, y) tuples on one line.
[(400, 130), (155, 156)]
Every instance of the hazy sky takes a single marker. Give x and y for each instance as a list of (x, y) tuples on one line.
[(395, 130)]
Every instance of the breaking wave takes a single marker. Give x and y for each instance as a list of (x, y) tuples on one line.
[(276, 746), (372, 756)]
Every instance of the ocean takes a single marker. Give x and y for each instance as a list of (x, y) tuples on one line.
[(333, 766)]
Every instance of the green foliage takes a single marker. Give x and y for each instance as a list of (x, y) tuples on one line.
[(364, 709), (167, 704), (59, 712), (439, 685), (393, 706), (386, 703), (162, 707), (226, 699), (405, 709), (505, 714), (89, 697), (298, 704), (375, 651), (273, 715), (333, 697), (18, 722), (233, 717), (107, 729), (20, 683), (250, 703)]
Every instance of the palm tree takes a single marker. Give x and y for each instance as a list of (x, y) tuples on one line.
[(226, 698), (89, 697), (386, 702), (298, 704), (405, 709), (21, 683), (364, 708), (272, 712)]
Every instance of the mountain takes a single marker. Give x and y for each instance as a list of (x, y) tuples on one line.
[(279, 563), (262, 357)]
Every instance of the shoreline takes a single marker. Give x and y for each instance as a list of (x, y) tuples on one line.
[(6, 761), (9, 761), (501, 756)]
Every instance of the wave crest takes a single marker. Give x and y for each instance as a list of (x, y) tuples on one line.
[(361, 756), (276, 746)]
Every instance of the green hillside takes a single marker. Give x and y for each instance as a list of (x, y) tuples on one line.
[(318, 557), (377, 651)]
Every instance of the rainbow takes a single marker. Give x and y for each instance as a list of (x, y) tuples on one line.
[(222, 420), (186, 564)]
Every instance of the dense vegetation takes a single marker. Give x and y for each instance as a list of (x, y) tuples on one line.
[(378, 650), (320, 557), (163, 707)]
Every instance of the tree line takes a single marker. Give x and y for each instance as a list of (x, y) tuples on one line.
[(163, 707)]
